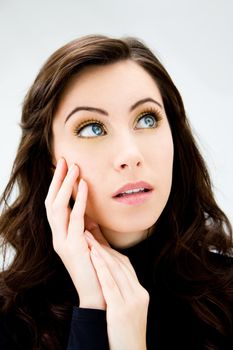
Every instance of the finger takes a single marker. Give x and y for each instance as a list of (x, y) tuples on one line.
[(57, 180), (122, 258), (110, 289), (76, 225), (123, 277), (63, 197), (61, 221)]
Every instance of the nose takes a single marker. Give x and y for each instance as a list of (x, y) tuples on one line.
[(128, 156)]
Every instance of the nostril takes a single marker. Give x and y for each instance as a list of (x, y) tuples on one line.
[(123, 166)]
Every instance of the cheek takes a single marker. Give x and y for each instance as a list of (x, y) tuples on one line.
[(91, 169), (86, 161), (160, 150)]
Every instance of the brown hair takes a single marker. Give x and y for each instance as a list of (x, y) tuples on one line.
[(192, 223)]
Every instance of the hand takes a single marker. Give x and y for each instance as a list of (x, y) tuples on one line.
[(68, 233), (127, 301)]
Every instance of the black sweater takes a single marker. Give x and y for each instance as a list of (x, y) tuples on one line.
[(171, 322)]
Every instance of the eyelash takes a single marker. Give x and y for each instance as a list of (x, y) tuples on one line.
[(155, 113)]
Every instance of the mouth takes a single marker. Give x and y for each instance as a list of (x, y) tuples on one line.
[(133, 193), (132, 188)]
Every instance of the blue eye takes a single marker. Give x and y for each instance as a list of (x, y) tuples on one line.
[(148, 120), (91, 130)]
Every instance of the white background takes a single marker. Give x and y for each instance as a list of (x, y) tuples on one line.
[(193, 39)]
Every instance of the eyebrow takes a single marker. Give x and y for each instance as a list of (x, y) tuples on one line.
[(102, 111)]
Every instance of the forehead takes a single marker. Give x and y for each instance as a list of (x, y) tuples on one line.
[(118, 83)]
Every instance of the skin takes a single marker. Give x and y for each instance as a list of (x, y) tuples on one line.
[(125, 154), (85, 235)]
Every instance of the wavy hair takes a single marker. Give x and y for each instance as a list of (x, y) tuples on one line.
[(192, 223)]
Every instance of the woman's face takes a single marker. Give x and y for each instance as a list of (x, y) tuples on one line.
[(111, 122)]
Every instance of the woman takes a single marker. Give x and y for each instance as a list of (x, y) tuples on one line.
[(118, 240)]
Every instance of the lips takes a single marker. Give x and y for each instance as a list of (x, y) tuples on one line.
[(132, 189)]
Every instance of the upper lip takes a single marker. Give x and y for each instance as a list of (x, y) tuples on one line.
[(133, 186)]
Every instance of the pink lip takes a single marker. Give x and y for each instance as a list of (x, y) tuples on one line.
[(132, 186)]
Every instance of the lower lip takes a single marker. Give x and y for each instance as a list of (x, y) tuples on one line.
[(134, 199)]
